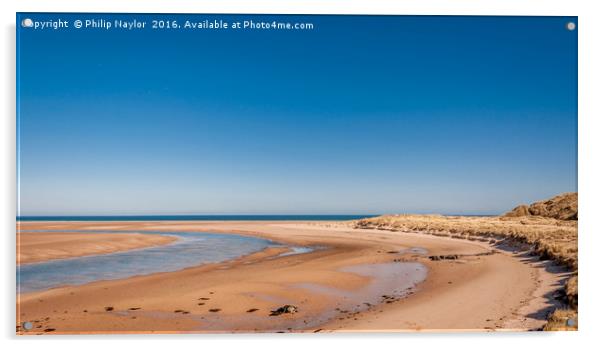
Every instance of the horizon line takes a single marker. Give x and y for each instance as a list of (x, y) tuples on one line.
[(246, 214)]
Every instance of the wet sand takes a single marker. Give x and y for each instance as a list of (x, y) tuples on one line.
[(344, 285), (45, 246)]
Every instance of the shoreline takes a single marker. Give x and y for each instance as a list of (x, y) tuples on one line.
[(38, 247), (431, 305)]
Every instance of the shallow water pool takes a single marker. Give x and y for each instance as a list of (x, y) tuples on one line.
[(190, 249)]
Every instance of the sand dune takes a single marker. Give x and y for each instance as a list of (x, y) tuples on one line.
[(548, 227)]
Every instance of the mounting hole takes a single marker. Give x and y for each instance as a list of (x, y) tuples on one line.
[(27, 23), (571, 26)]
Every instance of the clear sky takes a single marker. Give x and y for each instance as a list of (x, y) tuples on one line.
[(457, 115)]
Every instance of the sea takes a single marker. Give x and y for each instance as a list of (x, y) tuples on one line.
[(193, 217)]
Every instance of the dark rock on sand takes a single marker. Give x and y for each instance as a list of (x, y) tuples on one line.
[(443, 257), (285, 309)]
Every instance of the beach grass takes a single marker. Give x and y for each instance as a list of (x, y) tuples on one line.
[(548, 237)]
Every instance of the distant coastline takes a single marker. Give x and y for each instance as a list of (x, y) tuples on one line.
[(291, 217)]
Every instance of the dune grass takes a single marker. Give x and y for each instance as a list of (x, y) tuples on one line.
[(562, 320), (550, 239)]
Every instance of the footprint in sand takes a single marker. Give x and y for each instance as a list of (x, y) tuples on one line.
[(214, 310), (252, 310), (109, 308)]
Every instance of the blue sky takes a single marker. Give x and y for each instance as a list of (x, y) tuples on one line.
[(455, 115)]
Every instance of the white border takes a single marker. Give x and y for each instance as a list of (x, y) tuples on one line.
[(590, 168)]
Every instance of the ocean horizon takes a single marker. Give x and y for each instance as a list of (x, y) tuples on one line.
[(240, 217)]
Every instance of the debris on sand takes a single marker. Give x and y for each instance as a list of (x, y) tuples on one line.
[(443, 257), (285, 309)]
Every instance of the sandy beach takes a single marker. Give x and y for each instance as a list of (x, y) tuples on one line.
[(45, 246), (341, 286)]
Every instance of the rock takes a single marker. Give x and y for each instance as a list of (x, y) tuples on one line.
[(285, 309), (521, 210), (443, 257), (561, 207)]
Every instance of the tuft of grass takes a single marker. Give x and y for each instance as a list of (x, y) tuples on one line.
[(571, 291), (562, 320)]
